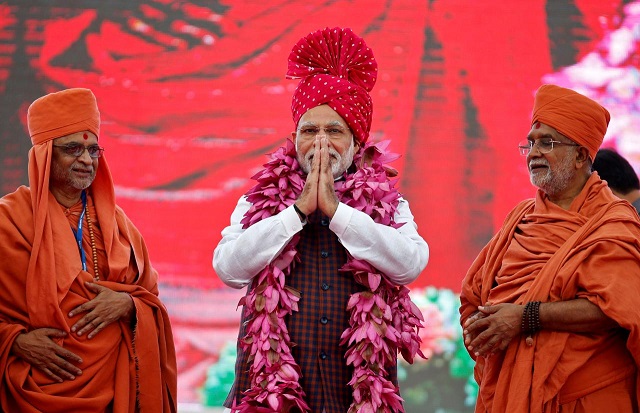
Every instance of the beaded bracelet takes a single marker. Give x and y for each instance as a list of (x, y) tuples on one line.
[(530, 323)]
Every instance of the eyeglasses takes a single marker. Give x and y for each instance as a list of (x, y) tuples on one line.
[(544, 145), (77, 149)]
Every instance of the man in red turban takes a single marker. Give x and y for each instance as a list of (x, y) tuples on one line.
[(81, 325), (549, 307), (324, 243)]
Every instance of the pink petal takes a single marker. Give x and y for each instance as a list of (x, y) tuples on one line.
[(273, 401), (374, 281)]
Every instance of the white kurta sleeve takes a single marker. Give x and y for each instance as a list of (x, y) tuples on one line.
[(400, 253), (242, 253)]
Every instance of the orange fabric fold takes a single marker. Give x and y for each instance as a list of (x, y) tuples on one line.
[(41, 280), (63, 113), (577, 117), (545, 253)]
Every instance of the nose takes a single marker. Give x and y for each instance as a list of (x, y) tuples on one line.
[(85, 158), (534, 147)]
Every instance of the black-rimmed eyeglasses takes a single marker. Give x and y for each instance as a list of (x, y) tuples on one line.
[(77, 149), (544, 145)]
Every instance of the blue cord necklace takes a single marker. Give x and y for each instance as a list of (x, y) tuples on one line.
[(78, 233), (78, 236)]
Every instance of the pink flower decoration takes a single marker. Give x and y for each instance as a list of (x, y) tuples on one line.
[(383, 321)]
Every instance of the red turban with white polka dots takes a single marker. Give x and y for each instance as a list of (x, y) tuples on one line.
[(338, 69)]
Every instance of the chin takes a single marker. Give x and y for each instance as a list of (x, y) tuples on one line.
[(81, 185)]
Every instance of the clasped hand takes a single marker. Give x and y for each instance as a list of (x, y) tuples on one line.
[(492, 328), (38, 348), (319, 191)]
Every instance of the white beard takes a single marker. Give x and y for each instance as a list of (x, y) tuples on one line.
[(339, 163), (554, 182), (66, 176)]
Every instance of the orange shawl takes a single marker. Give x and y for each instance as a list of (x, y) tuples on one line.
[(590, 251), (41, 280)]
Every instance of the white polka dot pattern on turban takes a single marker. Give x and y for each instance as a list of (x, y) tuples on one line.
[(336, 68)]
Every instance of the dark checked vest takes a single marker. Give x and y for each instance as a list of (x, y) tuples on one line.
[(317, 327)]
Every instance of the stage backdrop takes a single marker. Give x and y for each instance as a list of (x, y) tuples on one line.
[(192, 96)]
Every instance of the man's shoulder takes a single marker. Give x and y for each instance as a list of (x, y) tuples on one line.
[(120, 214), (524, 203), (16, 213), (636, 205), (16, 201), (522, 206), (513, 217), (621, 210), (123, 219)]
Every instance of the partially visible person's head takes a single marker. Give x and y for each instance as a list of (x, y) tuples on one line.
[(617, 171), (323, 121), (337, 69), (71, 120)]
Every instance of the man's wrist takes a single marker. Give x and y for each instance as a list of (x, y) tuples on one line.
[(334, 208), (15, 346), (301, 215)]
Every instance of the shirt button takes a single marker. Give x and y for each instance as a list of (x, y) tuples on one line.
[(324, 320), (324, 254), (325, 286), (324, 222), (323, 356)]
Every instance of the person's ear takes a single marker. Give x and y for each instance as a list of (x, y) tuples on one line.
[(293, 136), (582, 156)]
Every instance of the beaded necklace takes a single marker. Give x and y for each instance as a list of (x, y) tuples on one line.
[(94, 249)]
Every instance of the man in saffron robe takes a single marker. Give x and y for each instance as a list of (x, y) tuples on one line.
[(332, 115), (81, 326), (549, 307)]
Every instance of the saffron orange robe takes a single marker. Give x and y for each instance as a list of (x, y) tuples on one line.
[(125, 368), (545, 253)]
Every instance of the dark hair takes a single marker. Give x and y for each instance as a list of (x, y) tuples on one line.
[(616, 170)]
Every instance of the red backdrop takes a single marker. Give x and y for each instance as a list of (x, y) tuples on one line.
[(193, 95)]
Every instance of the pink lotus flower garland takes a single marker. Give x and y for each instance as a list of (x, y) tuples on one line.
[(273, 371), (383, 319)]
